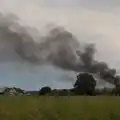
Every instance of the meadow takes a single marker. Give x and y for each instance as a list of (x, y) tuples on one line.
[(59, 108)]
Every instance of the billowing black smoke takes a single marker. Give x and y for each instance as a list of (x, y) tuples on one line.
[(93, 66), (58, 48)]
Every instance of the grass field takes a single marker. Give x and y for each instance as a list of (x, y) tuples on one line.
[(62, 108)]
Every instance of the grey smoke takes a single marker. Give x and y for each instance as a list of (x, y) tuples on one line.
[(59, 48), (93, 66)]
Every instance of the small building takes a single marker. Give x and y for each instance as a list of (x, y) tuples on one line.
[(2, 91), (12, 92)]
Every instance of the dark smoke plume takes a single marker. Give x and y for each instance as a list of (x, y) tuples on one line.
[(93, 66), (58, 48)]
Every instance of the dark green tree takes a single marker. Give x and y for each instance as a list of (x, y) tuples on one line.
[(44, 90), (85, 84)]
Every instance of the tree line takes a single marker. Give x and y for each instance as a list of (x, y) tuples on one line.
[(84, 85)]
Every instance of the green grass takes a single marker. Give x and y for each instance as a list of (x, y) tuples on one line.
[(62, 108)]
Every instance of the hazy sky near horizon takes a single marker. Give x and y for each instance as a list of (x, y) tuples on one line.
[(96, 21)]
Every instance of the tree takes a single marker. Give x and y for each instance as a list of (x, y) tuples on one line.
[(44, 90), (85, 84), (117, 80), (116, 91), (63, 92)]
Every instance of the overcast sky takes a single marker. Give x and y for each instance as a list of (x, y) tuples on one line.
[(96, 21)]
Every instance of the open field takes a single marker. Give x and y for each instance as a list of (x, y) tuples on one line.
[(62, 108)]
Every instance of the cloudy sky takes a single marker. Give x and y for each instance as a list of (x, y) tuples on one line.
[(96, 21)]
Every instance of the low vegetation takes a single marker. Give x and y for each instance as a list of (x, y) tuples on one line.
[(59, 108), (82, 102)]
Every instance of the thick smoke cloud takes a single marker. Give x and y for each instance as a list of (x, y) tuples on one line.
[(58, 48), (93, 66)]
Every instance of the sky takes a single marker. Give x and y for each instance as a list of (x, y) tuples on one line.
[(96, 21)]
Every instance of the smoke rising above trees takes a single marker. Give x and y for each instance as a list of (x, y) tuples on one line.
[(59, 48)]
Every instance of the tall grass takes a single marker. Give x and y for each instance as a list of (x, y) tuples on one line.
[(60, 108)]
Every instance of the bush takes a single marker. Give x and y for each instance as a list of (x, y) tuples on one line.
[(44, 90)]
